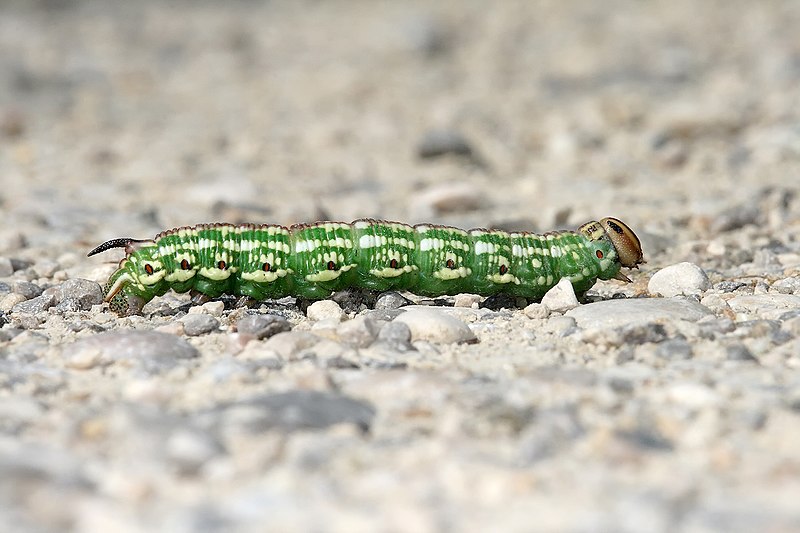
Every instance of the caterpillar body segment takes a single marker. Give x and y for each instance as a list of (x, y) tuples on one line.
[(312, 261)]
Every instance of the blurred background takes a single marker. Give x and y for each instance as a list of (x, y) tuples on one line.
[(125, 118)]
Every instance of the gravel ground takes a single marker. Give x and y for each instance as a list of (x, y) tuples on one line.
[(668, 404)]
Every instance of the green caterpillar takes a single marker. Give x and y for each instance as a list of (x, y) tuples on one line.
[(312, 261)]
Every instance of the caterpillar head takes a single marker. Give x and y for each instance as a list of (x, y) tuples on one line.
[(138, 278), (614, 240)]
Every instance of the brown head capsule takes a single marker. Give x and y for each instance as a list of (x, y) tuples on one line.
[(627, 244)]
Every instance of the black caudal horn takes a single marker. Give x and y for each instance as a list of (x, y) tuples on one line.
[(124, 242)]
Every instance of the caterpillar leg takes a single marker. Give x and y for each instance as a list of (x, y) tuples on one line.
[(503, 300), (126, 304), (198, 298), (356, 299)]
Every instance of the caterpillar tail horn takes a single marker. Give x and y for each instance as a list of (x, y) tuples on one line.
[(124, 242)]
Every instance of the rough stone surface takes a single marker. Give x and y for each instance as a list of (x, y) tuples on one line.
[(617, 313), (301, 409), (35, 305), (152, 351), (83, 292)]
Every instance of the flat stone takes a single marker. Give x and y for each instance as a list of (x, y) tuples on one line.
[(768, 306), (618, 313), (151, 351), (679, 279), (35, 305), (300, 409), (434, 325)]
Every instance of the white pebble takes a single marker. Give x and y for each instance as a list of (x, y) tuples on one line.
[(435, 326), (535, 310), (561, 298), (682, 278), (214, 308), (10, 300), (325, 309), (466, 300)]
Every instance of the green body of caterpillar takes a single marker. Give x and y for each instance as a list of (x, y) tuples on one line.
[(314, 260)]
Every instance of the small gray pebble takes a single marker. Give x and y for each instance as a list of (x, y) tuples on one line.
[(29, 321), (551, 433), (359, 332), (674, 349), (787, 286), (646, 437), (729, 286), (35, 305), (642, 333), (781, 337), (262, 326), (711, 326), (46, 268), (340, 362), (20, 264), (5, 288), (195, 324), (27, 289), (397, 335), (299, 409), (391, 300), (440, 142), (757, 328), (67, 305), (6, 269), (384, 315), (736, 217), (83, 292), (739, 352)]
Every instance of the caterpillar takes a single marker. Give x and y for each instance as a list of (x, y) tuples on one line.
[(312, 261)]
